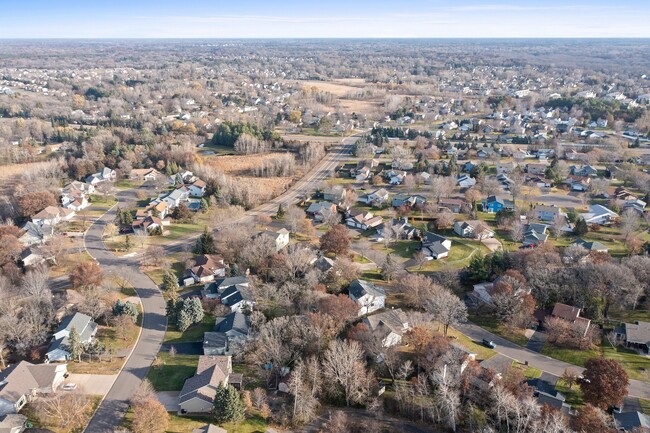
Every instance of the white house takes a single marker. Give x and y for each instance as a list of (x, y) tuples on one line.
[(105, 175), (435, 246), (367, 295), (197, 188), (465, 181), (53, 215), (279, 237), (83, 324), (22, 382), (468, 229), (599, 214), (377, 196)]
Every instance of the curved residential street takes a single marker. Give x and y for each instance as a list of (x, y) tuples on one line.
[(111, 411)]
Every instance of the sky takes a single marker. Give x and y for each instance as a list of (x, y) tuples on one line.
[(324, 19)]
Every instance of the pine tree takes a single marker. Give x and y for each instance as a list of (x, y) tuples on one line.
[(194, 309), (183, 320), (118, 216), (128, 243), (205, 243), (281, 212), (169, 282), (75, 348), (581, 228), (228, 406), (204, 205), (172, 310)]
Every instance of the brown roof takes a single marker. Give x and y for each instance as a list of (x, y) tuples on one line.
[(207, 264), (566, 312)]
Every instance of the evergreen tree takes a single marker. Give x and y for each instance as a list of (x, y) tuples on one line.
[(172, 310), (478, 269), (127, 219), (183, 319), (205, 243), (118, 216), (75, 348), (204, 205), (128, 243), (581, 228), (194, 309), (126, 308), (228, 406), (281, 212), (169, 282)]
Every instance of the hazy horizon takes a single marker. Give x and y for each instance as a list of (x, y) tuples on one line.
[(256, 19)]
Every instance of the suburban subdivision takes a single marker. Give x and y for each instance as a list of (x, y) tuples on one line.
[(422, 236)]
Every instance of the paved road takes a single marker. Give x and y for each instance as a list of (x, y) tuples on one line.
[(537, 360), (111, 411)]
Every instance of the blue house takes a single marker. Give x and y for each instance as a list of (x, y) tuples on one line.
[(494, 204)]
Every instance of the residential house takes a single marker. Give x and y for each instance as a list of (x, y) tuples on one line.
[(494, 204), (206, 268), (150, 223), (483, 292), (636, 205), (554, 400), (335, 195), (578, 183), (623, 194), (52, 216), (396, 178), (399, 226), (468, 229), (571, 315), (435, 246), (31, 258), (146, 174), (362, 174), (323, 264), (599, 214), (213, 290), (591, 245), (105, 175), (230, 334), (367, 295), (506, 167), (22, 382), (177, 196), (634, 335), (13, 423), (453, 204), (59, 348), (197, 188), (73, 195), (364, 221), (33, 234), (379, 196), (279, 237), (388, 326), (234, 292), (465, 181), (536, 168), (197, 395), (631, 422), (319, 210), (408, 200), (585, 170), (548, 213), (209, 428), (535, 234)]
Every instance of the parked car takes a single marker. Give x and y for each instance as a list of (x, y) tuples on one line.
[(489, 343), (69, 386)]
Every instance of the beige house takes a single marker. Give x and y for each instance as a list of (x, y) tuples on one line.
[(197, 395)]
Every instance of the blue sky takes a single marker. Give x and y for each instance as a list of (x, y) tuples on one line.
[(334, 18)]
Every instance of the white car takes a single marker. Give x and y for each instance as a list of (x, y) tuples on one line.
[(69, 386)]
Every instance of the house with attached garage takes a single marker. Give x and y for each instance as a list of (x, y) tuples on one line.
[(52, 215), (535, 234), (475, 229), (631, 422), (409, 200), (388, 326), (13, 423), (367, 295), (33, 234), (146, 174), (599, 214), (335, 194), (364, 221), (634, 335), (85, 327), (435, 246), (197, 395), (105, 175), (197, 188), (24, 381), (591, 245), (206, 268), (571, 315), (229, 335), (234, 292), (506, 167), (465, 181), (319, 210), (548, 213), (379, 196), (536, 168), (453, 204)]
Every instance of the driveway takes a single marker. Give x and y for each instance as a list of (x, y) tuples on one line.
[(92, 384), (169, 399), (492, 244), (536, 341), (537, 360)]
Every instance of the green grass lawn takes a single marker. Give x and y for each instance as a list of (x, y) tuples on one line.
[(573, 395), (156, 274), (491, 324), (645, 405), (192, 334), (482, 352), (404, 249), (572, 356), (636, 366), (168, 373), (185, 424)]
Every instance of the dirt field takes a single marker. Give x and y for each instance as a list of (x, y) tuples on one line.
[(339, 88)]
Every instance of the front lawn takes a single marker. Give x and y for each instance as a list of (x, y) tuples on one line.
[(168, 372), (192, 334), (572, 356), (637, 366), (573, 395), (491, 324), (185, 424), (52, 425)]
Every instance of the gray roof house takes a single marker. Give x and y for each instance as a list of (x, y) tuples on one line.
[(58, 350), (209, 428), (230, 333), (13, 423), (215, 343), (367, 295), (198, 391), (635, 335), (631, 421), (389, 326), (435, 246), (21, 383), (591, 245), (213, 290)]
